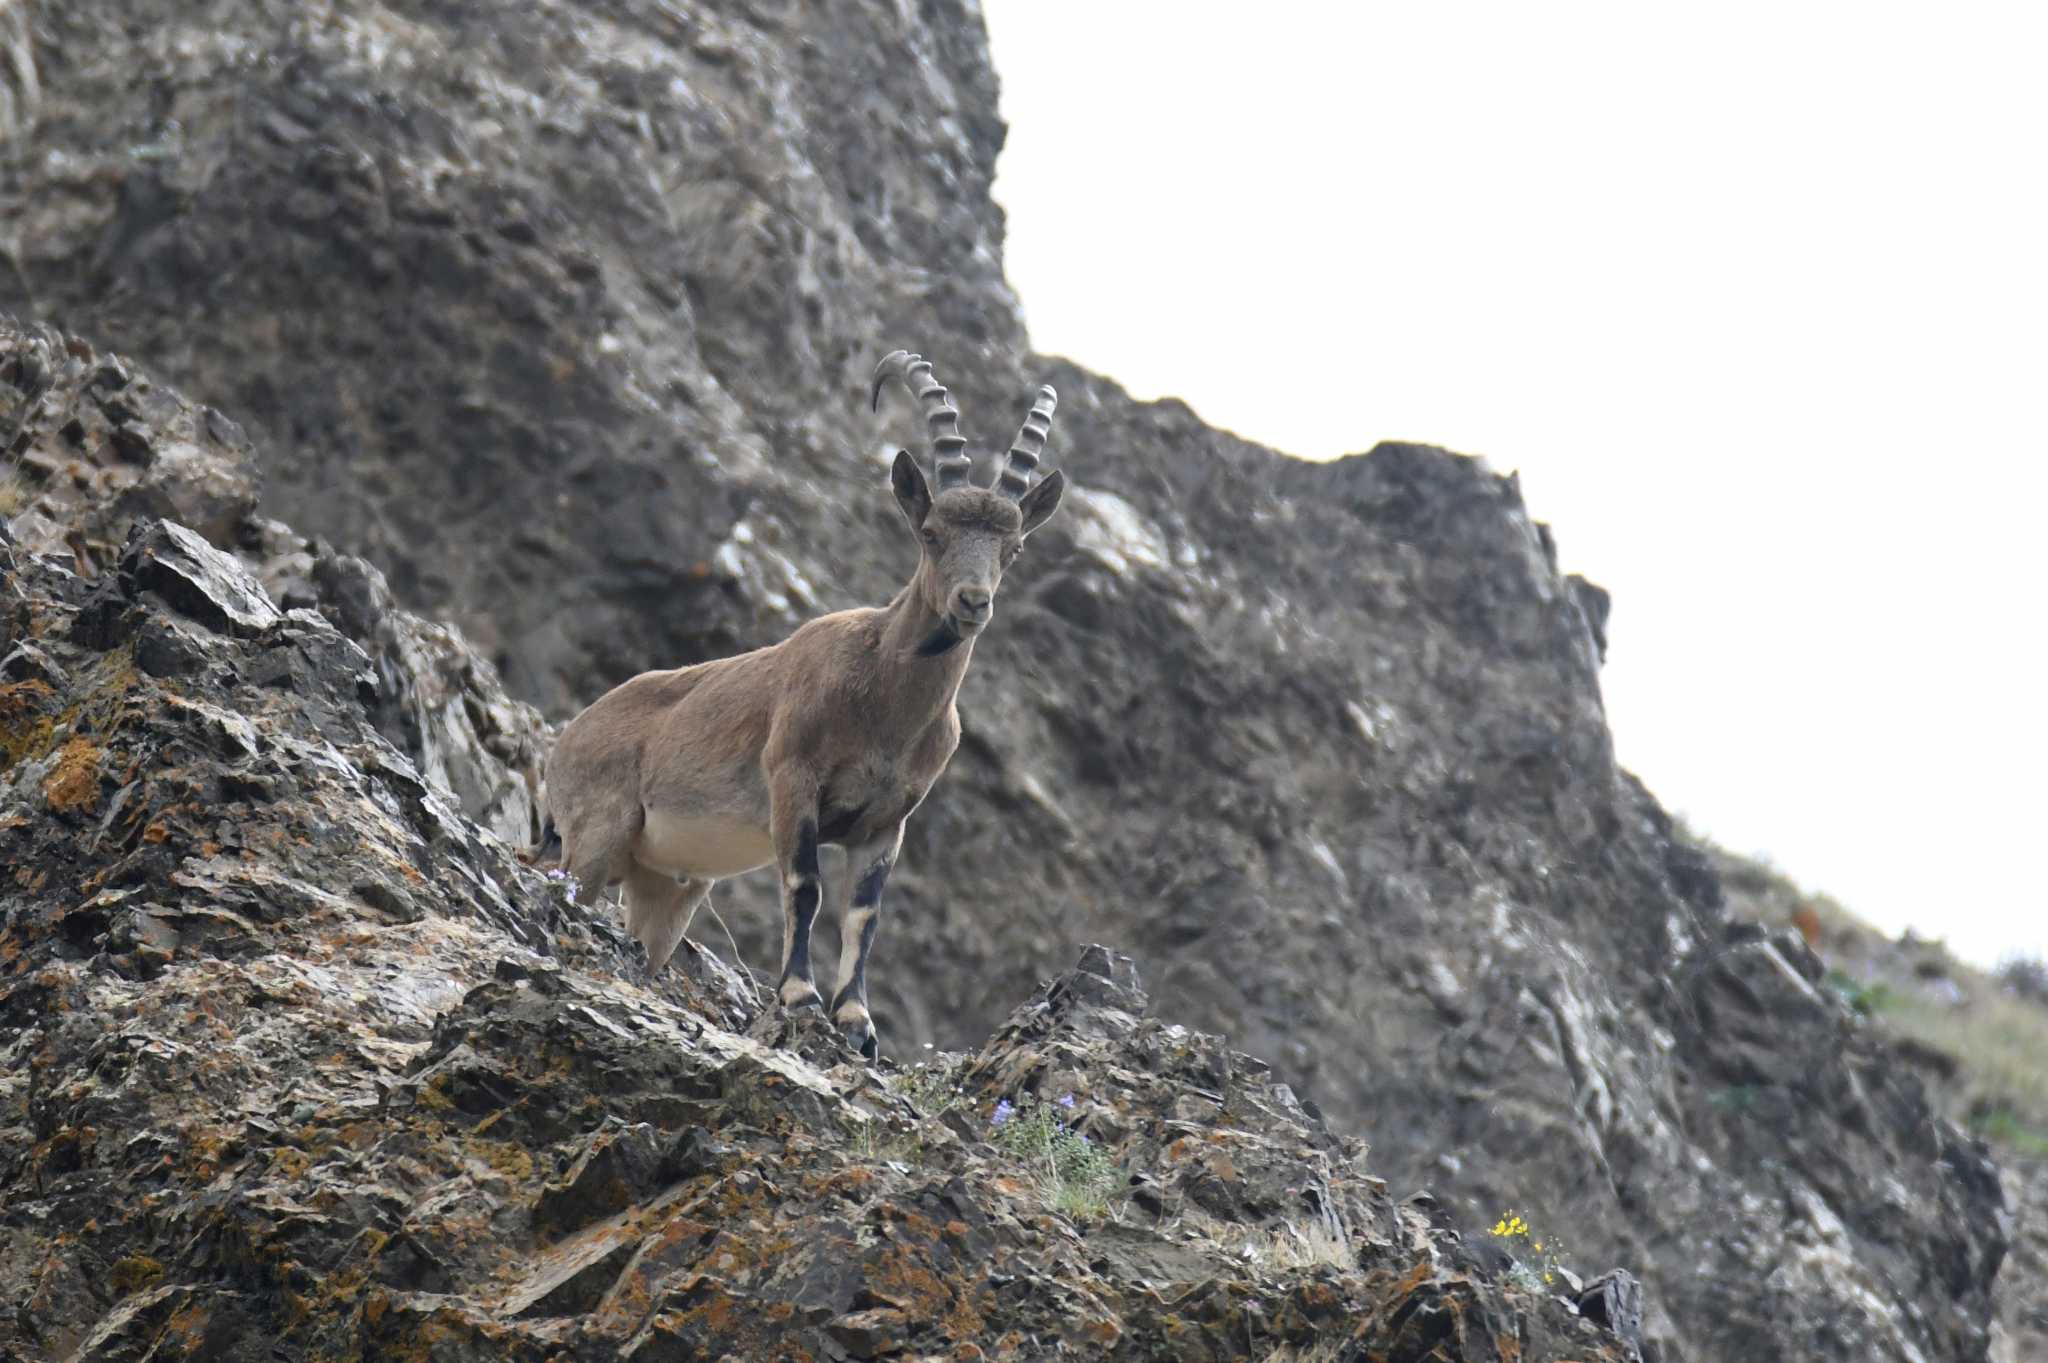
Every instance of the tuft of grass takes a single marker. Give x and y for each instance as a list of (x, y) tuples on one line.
[(1309, 1244), (2003, 1126), (1295, 1245), (929, 1086), (135, 1273), (1076, 1174), (1316, 1351), (1999, 1041), (14, 493), (930, 1089), (1993, 1025), (1865, 996)]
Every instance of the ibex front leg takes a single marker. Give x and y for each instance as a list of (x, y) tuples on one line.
[(867, 870), (793, 826)]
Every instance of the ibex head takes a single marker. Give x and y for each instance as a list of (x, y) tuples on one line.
[(967, 535)]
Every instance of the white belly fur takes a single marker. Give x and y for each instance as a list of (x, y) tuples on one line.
[(704, 847)]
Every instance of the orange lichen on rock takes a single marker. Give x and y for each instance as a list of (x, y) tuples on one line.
[(846, 1182), (923, 1295), (1101, 1331), (1415, 1280), (717, 1311), (73, 785), (22, 698), (24, 719), (189, 1325)]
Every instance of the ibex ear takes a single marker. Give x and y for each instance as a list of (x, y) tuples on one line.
[(1039, 503), (911, 493)]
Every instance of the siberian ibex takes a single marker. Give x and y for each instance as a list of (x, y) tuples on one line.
[(675, 780)]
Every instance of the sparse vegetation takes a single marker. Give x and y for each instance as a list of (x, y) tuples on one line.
[(2025, 975), (1305, 1244), (1991, 1026), (2003, 1126), (1999, 1042), (1076, 1174), (14, 494), (930, 1090), (1295, 1245), (1866, 997), (929, 1087), (1547, 1264), (1322, 1351)]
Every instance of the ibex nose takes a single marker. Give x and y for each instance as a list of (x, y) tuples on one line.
[(972, 605)]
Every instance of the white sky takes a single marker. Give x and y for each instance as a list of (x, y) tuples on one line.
[(1754, 295)]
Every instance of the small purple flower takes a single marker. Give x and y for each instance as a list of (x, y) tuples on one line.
[(1067, 1101), (1002, 1113)]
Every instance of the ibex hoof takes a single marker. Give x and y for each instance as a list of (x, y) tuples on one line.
[(804, 1002), (861, 1035)]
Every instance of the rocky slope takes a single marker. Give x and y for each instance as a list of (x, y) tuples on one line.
[(297, 1061), (1979, 1040), (561, 315)]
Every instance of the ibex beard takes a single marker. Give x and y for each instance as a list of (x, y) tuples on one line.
[(675, 780)]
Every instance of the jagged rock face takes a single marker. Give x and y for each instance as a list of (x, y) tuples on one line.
[(2023, 1295), (1862, 959), (20, 89), (562, 316), (97, 446), (352, 191), (298, 1062)]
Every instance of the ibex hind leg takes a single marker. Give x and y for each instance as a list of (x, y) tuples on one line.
[(658, 912)]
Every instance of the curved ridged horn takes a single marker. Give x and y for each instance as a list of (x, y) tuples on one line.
[(950, 463), (1015, 479)]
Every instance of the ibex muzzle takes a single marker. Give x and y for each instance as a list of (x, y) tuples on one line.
[(675, 780)]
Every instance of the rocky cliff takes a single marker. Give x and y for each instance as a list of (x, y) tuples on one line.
[(1977, 1038), (560, 314), (298, 1061)]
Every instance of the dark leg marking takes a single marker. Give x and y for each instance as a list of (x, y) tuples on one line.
[(803, 895), (868, 893), (799, 968), (805, 862)]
